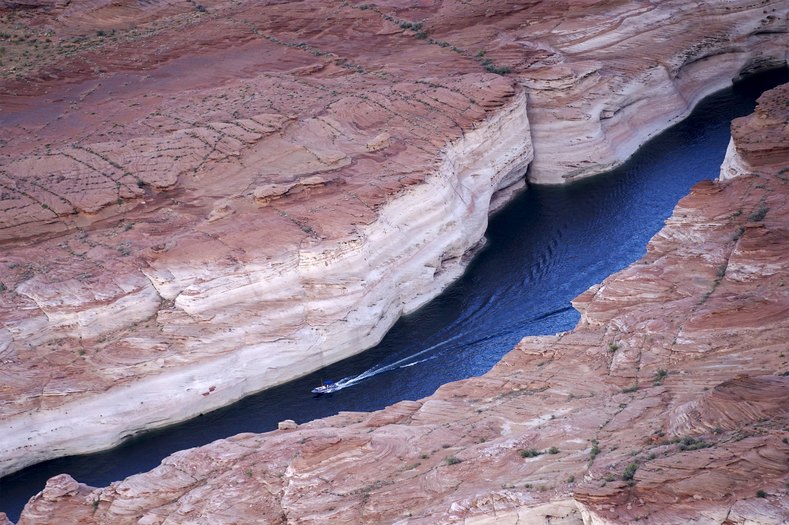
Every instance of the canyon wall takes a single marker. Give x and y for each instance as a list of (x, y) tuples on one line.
[(201, 201), (666, 404)]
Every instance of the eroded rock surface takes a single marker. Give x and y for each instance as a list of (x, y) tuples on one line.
[(666, 404), (187, 189), (760, 141)]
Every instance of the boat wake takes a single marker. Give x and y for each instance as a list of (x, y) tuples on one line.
[(413, 359), (380, 369)]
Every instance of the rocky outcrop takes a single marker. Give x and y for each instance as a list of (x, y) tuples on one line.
[(666, 404), (223, 196), (630, 71), (760, 142)]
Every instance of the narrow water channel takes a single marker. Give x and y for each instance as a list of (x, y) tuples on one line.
[(544, 248)]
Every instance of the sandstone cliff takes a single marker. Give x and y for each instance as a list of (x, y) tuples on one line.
[(666, 404), (198, 201)]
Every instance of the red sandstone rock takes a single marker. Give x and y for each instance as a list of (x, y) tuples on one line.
[(666, 404), (760, 141), (186, 191)]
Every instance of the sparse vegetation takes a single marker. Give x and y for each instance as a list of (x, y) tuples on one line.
[(595, 450), (630, 471), (452, 460), (689, 443), (499, 70), (759, 214), (529, 453), (613, 347), (761, 494), (660, 375), (553, 450), (630, 389)]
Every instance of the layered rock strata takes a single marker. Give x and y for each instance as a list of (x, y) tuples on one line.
[(760, 141), (666, 404), (199, 201)]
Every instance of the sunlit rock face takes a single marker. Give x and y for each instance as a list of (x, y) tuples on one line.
[(199, 201), (666, 404)]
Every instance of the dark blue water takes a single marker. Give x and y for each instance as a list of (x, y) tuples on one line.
[(545, 248)]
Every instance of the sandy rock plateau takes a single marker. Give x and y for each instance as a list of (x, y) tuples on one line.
[(202, 200)]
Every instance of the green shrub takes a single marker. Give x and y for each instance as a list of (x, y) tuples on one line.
[(759, 214), (452, 460), (529, 453), (689, 443), (630, 471)]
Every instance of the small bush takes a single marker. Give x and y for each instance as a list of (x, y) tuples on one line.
[(759, 214), (689, 443), (594, 452), (553, 450), (503, 70), (452, 460), (761, 494), (630, 389), (630, 471), (613, 347), (529, 453), (660, 375)]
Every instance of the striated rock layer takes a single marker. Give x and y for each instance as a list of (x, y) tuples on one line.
[(760, 141), (666, 404), (199, 201)]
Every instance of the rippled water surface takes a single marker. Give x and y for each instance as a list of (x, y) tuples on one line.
[(545, 248)]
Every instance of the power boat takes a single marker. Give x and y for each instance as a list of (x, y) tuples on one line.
[(326, 388)]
